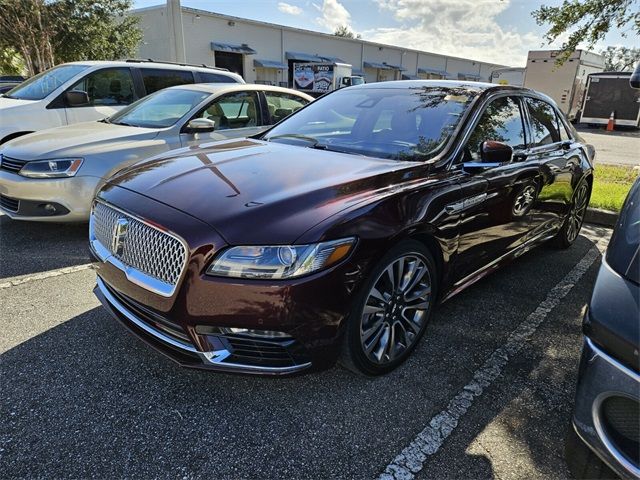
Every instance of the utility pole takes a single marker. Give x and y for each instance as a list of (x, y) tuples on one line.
[(176, 32)]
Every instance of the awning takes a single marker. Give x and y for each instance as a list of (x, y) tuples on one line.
[(382, 66), (410, 77), (269, 64), (227, 47), (310, 57), (358, 72), (435, 71)]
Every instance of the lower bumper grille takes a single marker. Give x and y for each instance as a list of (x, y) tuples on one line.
[(622, 422), (8, 203), (151, 318), (257, 352)]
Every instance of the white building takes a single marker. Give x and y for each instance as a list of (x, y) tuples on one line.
[(264, 53)]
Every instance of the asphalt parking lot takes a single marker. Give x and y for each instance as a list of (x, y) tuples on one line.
[(487, 394), (619, 147)]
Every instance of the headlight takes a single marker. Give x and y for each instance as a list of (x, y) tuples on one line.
[(280, 261), (58, 168)]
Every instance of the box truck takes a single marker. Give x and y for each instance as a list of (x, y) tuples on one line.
[(508, 76), (317, 78), (564, 83), (607, 93)]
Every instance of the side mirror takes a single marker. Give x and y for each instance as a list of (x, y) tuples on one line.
[(634, 81), (76, 99), (200, 125), (495, 152)]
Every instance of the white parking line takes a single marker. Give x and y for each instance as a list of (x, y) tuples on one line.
[(42, 275), (413, 458)]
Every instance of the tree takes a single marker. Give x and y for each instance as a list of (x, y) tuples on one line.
[(345, 31), (587, 21), (48, 32), (11, 62), (621, 59)]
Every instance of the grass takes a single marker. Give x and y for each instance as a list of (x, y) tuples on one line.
[(611, 185)]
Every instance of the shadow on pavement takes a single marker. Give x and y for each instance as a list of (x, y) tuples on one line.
[(29, 247), (85, 398)]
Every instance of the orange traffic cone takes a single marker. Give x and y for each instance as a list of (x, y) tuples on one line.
[(612, 122)]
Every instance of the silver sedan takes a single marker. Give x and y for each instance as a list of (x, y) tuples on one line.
[(52, 175)]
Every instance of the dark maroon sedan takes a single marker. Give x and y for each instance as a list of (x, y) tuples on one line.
[(333, 235)]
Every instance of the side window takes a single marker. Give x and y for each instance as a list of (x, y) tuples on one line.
[(281, 105), (502, 122), (564, 133), (109, 86), (155, 79), (544, 123), (235, 110), (206, 77)]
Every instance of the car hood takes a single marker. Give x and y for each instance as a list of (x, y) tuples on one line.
[(75, 140), (14, 102), (260, 192)]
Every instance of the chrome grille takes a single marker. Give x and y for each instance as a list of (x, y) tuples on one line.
[(144, 248), (11, 164)]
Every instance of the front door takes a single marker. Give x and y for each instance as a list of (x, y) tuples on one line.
[(496, 199), (236, 115), (109, 90)]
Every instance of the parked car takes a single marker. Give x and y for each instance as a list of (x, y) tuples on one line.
[(83, 91), (8, 82), (53, 175), (335, 233), (605, 433)]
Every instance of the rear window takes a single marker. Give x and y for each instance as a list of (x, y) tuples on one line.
[(206, 77), (155, 79)]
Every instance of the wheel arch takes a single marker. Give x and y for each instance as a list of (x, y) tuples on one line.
[(11, 136)]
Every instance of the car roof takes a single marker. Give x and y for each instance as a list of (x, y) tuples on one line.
[(471, 86), (232, 87), (151, 64)]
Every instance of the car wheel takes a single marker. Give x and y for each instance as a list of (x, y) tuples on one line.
[(573, 222), (391, 311), (582, 461)]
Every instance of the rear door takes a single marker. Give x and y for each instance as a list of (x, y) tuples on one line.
[(236, 115), (558, 157)]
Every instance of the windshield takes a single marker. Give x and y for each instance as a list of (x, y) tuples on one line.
[(161, 109), (40, 86), (396, 123)]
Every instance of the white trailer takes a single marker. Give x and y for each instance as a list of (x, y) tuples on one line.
[(316, 78), (607, 93), (508, 76), (564, 83)]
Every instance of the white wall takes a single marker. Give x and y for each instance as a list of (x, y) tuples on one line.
[(271, 42)]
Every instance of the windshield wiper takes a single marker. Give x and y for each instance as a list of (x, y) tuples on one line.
[(315, 143), (124, 124)]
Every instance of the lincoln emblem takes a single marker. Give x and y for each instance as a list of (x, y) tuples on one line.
[(119, 235)]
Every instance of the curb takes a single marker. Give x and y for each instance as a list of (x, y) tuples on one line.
[(601, 217)]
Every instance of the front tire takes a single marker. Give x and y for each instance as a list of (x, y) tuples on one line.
[(573, 222), (391, 311)]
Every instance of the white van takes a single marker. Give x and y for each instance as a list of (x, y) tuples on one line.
[(84, 91)]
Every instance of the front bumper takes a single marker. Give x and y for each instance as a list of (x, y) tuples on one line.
[(603, 378), (190, 322), (71, 196)]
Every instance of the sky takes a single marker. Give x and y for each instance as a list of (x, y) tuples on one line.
[(497, 31)]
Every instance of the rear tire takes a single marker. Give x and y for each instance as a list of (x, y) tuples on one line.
[(399, 298), (572, 224)]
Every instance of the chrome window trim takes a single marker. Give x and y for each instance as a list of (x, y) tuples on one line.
[(134, 275), (215, 358), (597, 404)]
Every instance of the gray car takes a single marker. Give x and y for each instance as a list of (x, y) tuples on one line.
[(52, 175)]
